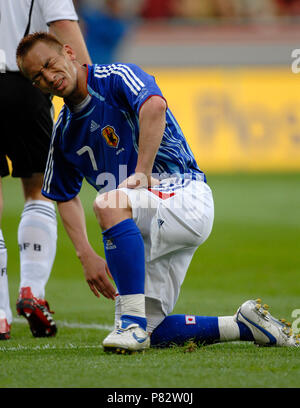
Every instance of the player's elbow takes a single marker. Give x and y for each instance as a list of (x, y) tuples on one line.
[(155, 106), (159, 103)]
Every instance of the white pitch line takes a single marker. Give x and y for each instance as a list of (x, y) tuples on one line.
[(71, 325), (68, 346), (43, 347)]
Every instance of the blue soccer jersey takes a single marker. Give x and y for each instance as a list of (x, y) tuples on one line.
[(100, 143)]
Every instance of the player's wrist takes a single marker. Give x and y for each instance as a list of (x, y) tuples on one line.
[(145, 171), (84, 252)]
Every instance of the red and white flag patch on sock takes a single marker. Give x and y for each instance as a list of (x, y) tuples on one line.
[(190, 319)]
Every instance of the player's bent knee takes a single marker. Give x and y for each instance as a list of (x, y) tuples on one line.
[(111, 208), (112, 200)]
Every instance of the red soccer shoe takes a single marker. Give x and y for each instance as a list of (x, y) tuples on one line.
[(4, 327), (37, 313)]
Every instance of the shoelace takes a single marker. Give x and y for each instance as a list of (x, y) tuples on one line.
[(44, 305), (46, 313), (120, 331)]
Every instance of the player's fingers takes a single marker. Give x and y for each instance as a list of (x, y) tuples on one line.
[(93, 289), (107, 294), (122, 185), (105, 288), (128, 184), (99, 289), (153, 181), (111, 292), (104, 291)]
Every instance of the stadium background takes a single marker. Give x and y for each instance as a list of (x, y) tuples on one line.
[(225, 67)]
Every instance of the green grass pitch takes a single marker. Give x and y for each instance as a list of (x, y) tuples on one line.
[(253, 251)]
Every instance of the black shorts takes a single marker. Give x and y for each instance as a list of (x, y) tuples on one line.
[(25, 126)]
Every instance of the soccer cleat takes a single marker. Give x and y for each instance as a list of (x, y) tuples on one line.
[(37, 313), (4, 327), (126, 337), (266, 329)]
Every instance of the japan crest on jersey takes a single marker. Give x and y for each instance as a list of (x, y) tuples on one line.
[(110, 136)]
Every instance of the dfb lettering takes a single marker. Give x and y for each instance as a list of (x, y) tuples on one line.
[(27, 245)]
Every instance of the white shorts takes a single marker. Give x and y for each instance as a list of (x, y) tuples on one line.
[(174, 218)]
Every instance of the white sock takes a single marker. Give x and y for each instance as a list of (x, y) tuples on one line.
[(4, 292), (37, 236), (133, 305), (228, 328)]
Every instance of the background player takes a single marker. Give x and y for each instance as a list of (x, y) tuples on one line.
[(117, 131), (26, 126)]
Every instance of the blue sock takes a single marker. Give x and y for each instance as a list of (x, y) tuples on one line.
[(125, 256), (245, 332), (178, 329), (124, 252), (126, 320)]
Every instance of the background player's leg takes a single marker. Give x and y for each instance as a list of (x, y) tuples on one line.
[(5, 310), (37, 236)]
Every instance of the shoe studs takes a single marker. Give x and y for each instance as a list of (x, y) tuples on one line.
[(283, 325), (265, 309), (287, 331), (262, 309), (118, 350)]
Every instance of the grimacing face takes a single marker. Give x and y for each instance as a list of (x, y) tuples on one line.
[(51, 70)]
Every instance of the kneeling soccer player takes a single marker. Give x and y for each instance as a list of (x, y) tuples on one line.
[(154, 208)]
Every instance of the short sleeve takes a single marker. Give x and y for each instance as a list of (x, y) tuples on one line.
[(62, 181), (126, 86), (55, 10)]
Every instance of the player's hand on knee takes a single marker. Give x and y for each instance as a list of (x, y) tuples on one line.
[(96, 274), (139, 180)]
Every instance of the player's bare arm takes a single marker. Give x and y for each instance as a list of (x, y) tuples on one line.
[(152, 122), (68, 32), (94, 267)]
